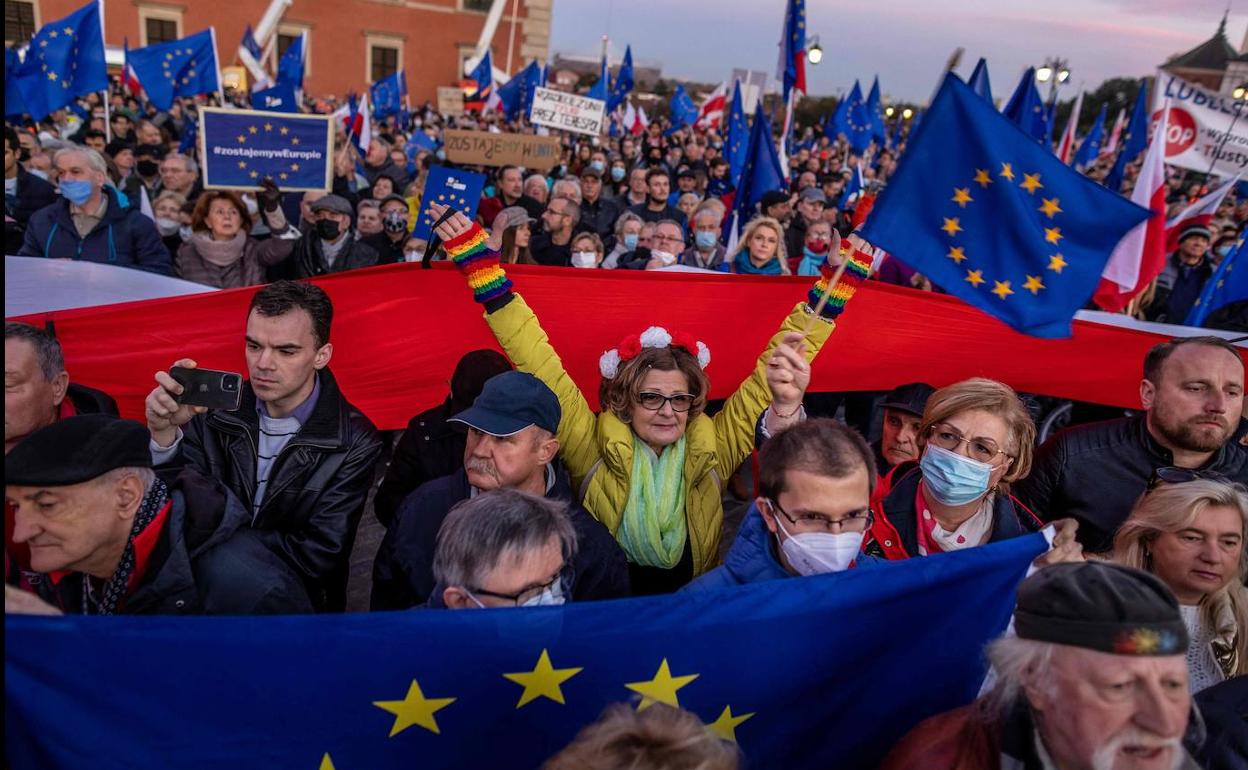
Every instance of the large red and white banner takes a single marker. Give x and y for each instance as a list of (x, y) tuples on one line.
[(1202, 125)]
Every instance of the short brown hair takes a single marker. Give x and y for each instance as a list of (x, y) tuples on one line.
[(659, 738), (593, 239), (822, 446), (989, 396), (621, 391), (1157, 355), (199, 217)]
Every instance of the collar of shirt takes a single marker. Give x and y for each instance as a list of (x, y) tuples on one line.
[(301, 412)]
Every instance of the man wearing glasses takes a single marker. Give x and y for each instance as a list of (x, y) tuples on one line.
[(813, 509), (666, 246), (552, 245)]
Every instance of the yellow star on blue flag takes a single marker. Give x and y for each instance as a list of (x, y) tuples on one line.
[(183, 67)]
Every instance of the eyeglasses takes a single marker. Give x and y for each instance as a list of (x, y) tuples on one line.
[(1173, 475), (858, 521), (563, 576), (945, 436), (668, 238), (681, 402)]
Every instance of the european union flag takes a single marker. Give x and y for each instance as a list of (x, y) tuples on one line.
[(452, 187), (738, 139), (623, 84), (1135, 139), (816, 672), (875, 111), (1229, 283), (238, 148), (601, 89), (516, 94), (1091, 146), (852, 120), (484, 77), (65, 59), (979, 82), (992, 217), (291, 66), (183, 67), (1026, 110), (761, 173), (279, 98), (386, 96), (14, 105), (683, 111)]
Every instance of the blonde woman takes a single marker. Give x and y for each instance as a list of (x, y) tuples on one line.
[(1191, 535), (652, 466), (761, 249)]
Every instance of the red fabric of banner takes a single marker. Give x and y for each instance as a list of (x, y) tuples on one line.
[(399, 330)]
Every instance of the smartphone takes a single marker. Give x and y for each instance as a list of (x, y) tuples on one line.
[(208, 387)]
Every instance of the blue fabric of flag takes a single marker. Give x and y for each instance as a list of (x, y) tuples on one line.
[(452, 187), (183, 67), (249, 42), (853, 186), (1134, 139), (857, 127), (993, 218), (684, 111), (622, 86), (14, 104), (190, 136), (793, 51), (65, 60), (1229, 283), (290, 66), (243, 147), (737, 141), (979, 81), (601, 89), (516, 94), (1091, 146), (875, 111), (816, 672), (761, 173), (279, 98), (838, 122), (483, 76), (1025, 109), (384, 97)]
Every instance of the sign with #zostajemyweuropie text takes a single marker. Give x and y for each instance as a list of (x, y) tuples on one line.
[(239, 148), (567, 112), (482, 148)]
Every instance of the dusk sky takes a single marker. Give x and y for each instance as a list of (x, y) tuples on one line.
[(905, 42)]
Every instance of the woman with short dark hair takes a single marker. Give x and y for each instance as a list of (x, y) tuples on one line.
[(221, 251)]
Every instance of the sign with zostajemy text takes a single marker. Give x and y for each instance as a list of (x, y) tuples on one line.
[(482, 148), (567, 112), (239, 148)]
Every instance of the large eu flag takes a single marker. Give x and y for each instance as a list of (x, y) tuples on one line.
[(239, 148), (65, 59), (452, 187), (815, 672), (183, 67), (991, 216)]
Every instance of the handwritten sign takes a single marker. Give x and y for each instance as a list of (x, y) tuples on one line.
[(567, 112), (482, 148), (450, 100)]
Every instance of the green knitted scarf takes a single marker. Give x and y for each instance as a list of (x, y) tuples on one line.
[(653, 529)]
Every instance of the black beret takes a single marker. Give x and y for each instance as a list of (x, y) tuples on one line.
[(773, 198), (1100, 606), (77, 449)]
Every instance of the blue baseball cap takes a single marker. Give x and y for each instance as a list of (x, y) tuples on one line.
[(511, 402)]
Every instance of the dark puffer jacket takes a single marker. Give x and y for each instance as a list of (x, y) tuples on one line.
[(124, 236)]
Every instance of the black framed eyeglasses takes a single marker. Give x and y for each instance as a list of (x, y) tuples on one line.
[(848, 523), (563, 577), (1175, 475), (681, 402)]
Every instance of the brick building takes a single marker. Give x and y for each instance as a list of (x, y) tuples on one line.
[(351, 42)]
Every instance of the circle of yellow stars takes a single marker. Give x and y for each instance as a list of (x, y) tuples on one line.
[(268, 128), (67, 81), (1049, 208), (187, 71)]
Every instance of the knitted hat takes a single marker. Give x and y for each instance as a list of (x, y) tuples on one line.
[(1195, 230)]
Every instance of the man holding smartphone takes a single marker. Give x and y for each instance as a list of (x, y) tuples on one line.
[(295, 450)]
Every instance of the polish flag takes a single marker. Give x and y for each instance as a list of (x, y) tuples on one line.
[(634, 120), (1111, 145), (1066, 147), (711, 113), (1141, 254), (1199, 213)]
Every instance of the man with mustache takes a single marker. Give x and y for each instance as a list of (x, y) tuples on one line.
[(1094, 678), (1193, 394), (511, 444)]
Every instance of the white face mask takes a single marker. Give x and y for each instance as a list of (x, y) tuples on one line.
[(584, 259), (665, 258), (817, 553), (550, 597), (414, 256), (167, 226)]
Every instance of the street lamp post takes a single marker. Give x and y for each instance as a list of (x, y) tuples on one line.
[(1055, 71)]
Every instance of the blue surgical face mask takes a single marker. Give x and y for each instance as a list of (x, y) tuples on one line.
[(441, 154), (952, 478), (597, 165), (630, 241), (1224, 249), (77, 191), (705, 239), (617, 174)]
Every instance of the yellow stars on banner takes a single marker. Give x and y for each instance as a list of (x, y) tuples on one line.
[(268, 127), (69, 31), (1007, 171), (983, 178), (52, 76), (254, 175), (1050, 208), (951, 226), (726, 726), (662, 688), (242, 164), (974, 277), (1033, 284), (1031, 183), (957, 254), (326, 762), (284, 130), (53, 34), (543, 681), (962, 196), (282, 175), (1053, 234), (294, 166), (1002, 289), (241, 139), (252, 129), (1057, 262), (415, 709), (294, 139)]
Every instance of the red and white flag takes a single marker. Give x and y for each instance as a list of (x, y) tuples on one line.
[(711, 113), (634, 120), (1111, 145), (1199, 213), (1066, 147), (1141, 254)]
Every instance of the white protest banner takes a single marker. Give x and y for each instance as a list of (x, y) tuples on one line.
[(1202, 125), (450, 100), (567, 112)]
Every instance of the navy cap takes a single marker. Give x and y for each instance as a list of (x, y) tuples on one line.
[(511, 402), (77, 449), (911, 397)]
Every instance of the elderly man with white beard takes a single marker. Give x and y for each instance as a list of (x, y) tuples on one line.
[(1094, 678)]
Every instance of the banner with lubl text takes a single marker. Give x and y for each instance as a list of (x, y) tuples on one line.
[(1206, 131), (240, 148)]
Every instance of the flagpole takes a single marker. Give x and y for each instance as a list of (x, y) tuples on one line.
[(108, 123), (216, 59)]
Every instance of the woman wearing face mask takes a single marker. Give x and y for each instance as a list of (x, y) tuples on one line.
[(652, 466), (820, 243), (619, 177), (587, 250), (976, 438), (168, 210), (221, 251), (627, 238), (1190, 533), (761, 250)]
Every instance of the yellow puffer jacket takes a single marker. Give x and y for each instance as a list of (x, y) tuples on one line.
[(598, 448)]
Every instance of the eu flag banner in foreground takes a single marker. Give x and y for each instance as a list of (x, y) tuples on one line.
[(241, 147), (992, 217), (815, 672), (452, 187)]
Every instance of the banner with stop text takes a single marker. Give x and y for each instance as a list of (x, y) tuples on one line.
[(1207, 131), (240, 148)]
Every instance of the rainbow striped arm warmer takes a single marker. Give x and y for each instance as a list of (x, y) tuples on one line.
[(855, 273), (479, 264)]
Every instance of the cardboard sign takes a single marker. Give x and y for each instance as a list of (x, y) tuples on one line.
[(482, 148), (450, 100), (568, 112), (1202, 125), (239, 148)]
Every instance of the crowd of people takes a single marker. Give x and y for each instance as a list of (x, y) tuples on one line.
[(514, 492)]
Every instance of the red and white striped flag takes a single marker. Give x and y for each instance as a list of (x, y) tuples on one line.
[(711, 113), (1066, 147), (1199, 213), (1111, 145)]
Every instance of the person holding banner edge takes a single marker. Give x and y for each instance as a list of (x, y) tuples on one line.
[(652, 466)]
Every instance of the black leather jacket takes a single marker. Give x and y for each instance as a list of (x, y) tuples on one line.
[(1095, 473), (317, 486)]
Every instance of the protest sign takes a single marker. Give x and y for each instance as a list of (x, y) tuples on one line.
[(1202, 124), (567, 112), (452, 187), (241, 147), (482, 148), (450, 100), (279, 98)]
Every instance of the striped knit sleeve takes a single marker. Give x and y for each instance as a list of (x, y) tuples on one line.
[(855, 273), (479, 264)]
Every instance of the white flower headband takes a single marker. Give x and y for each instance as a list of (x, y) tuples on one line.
[(654, 337)]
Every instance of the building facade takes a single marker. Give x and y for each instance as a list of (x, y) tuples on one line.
[(351, 42), (1214, 64)]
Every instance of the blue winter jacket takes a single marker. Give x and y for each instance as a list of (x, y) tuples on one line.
[(751, 559), (125, 236)]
